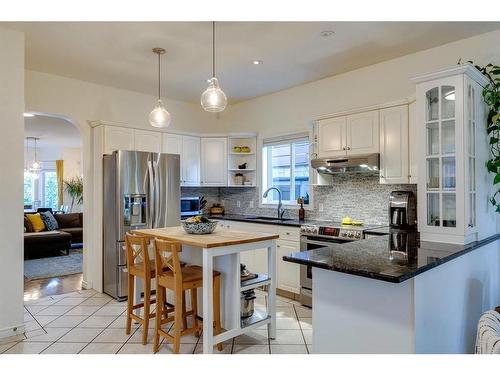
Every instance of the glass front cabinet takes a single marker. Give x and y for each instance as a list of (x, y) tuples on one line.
[(452, 146)]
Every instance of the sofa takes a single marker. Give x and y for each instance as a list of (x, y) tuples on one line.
[(68, 233)]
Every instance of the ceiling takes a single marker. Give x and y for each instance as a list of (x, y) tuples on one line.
[(52, 131), (118, 54)]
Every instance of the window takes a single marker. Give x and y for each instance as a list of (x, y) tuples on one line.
[(285, 165), (41, 191)]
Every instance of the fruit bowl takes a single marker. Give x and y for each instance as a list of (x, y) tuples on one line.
[(203, 227)]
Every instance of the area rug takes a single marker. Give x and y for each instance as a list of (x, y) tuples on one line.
[(54, 266)]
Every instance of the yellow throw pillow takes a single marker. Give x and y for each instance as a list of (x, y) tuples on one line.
[(36, 221)]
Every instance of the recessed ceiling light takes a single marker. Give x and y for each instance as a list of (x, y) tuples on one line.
[(26, 114), (327, 33), (257, 62)]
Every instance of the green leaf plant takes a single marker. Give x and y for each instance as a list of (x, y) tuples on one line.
[(491, 96)]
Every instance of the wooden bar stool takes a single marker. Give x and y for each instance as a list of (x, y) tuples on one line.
[(170, 275), (140, 265)]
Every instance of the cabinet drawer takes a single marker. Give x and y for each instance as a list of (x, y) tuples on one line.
[(289, 233)]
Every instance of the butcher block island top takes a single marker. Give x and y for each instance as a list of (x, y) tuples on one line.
[(220, 237)]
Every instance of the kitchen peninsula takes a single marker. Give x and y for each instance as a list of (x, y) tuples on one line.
[(220, 251), (368, 298)]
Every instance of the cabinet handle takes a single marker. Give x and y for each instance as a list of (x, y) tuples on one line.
[(348, 148), (343, 148), (382, 176), (278, 245), (287, 233)]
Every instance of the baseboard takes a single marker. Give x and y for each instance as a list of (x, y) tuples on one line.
[(287, 294), (86, 285), (6, 334)]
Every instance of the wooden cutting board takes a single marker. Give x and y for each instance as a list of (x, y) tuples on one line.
[(220, 237)]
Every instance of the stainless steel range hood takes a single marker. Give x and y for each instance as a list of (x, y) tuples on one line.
[(351, 164)]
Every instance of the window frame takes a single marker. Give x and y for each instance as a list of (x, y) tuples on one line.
[(265, 163)]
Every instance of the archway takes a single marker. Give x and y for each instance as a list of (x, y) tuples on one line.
[(76, 164)]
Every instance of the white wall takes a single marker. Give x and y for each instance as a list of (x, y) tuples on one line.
[(293, 109), (11, 174)]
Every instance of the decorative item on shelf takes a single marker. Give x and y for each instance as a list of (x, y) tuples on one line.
[(302, 212), (247, 183), (245, 149), (237, 149), (213, 98), (242, 166), (216, 209), (199, 225), (238, 179), (242, 149)]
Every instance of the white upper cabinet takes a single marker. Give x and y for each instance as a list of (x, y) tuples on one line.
[(214, 161), (412, 145), (355, 134), (118, 138), (453, 184), (332, 137), (394, 145), (172, 144), (147, 141), (362, 133), (190, 173)]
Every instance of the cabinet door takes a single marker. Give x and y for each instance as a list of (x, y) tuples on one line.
[(332, 137), (117, 138), (147, 141), (394, 145), (288, 273), (190, 161), (214, 161), (172, 144), (412, 143), (362, 133)]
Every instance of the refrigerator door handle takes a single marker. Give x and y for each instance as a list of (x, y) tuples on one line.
[(152, 198)]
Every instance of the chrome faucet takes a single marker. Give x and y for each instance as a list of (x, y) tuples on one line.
[(281, 211)]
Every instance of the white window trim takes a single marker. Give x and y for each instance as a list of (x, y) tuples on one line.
[(260, 148)]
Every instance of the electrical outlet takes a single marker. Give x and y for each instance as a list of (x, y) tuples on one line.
[(250, 204), (321, 207), (238, 204)]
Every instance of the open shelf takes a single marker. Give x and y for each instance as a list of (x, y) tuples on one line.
[(242, 153), (258, 316), (242, 170), (259, 281), (241, 186)]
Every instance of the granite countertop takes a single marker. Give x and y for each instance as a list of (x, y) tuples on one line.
[(290, 222), (255, 219), (373, 258)]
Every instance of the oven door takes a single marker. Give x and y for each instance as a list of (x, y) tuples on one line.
[(311, 243)]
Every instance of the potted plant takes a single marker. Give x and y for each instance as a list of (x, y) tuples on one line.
[(74, 188)]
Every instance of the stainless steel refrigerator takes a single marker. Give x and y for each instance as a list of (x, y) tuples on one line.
[(141, 190)]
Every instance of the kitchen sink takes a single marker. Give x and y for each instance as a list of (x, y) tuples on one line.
[(269, 218)]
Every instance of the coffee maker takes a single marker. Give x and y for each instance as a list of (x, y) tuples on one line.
[(402, 210)]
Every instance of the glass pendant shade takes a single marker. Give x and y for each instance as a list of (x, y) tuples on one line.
[(213, 98), (159, 116)]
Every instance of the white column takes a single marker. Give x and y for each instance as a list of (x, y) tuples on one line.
[(208, 312), (11, 188), (271, 295)]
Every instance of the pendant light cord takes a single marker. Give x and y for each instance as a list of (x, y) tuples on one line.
[(213, 49), (159, 76)]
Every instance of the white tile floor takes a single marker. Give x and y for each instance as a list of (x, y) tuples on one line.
[(87, 322)]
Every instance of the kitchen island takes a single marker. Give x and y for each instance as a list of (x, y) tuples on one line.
[(220, 251), (371, 296)]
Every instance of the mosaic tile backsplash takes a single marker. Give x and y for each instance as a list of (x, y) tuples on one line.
[(359, 196)]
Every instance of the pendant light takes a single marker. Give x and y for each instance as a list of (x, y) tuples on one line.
[(213, 98), (159, 116), (35, 166)]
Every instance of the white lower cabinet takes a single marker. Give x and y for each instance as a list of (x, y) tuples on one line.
[(288, 273)]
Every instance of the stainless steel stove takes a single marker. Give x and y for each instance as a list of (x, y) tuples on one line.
[(321, 234)]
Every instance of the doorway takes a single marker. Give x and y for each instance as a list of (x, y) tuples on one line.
[(53, 205)]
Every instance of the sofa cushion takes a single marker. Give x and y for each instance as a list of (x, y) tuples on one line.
[(68, 220), (36, 222), (46, 237), (28, 227), (49, 220), (76, 234)]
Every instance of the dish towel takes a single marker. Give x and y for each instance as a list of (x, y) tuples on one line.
[(488, 333)]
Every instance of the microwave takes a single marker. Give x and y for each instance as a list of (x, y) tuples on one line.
[(190, 206)]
